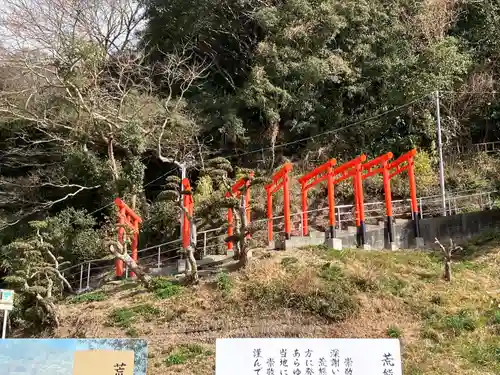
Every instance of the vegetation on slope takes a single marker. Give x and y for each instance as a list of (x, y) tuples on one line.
[(443, 327), (88, 113)]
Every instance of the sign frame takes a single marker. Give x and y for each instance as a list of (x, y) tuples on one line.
[(6, 304)]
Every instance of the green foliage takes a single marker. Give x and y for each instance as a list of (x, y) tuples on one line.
[(224, 283), (394, 332), (460, 322), (88, 297), (73, 235), (164, 288), (184, 353), (485, 353), (31, 264), (124, 317)]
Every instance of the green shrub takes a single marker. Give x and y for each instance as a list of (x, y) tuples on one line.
[(164, 288), (224, 283), (88, 297)]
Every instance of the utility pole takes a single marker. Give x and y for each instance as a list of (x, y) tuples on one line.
[(440, 151)]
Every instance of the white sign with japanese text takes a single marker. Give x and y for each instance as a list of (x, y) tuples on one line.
[(6, 299), (308, 357)]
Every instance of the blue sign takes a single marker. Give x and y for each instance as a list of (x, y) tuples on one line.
[(59, 356)]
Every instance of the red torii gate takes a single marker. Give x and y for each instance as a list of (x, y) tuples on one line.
[(280, 180), (318, 175), (188, 205), (327, 172), (353, 169), (376, 166), (236, 191), (406, 163), (126, 216)]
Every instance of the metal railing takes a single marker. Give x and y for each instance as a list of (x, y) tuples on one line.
[(80, 275), (475, 147)]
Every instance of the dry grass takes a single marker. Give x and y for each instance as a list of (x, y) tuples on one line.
[(444, 327)]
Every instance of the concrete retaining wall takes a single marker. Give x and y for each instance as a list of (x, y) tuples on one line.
[(458, 227)]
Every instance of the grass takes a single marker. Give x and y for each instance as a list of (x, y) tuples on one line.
[(184, 353), (124, 317), (328, 293), (456, 325), (460, 323), (224, 283), (164, 288), (88, 297), (482, 353), (394, 332), (448, 327)]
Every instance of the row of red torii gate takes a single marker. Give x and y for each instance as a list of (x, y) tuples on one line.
[(356, 170)]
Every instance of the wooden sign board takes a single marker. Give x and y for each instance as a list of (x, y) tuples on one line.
[(308, 356), (103, 362), (6, 299)]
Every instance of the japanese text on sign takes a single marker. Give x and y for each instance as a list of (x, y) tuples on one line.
[(308, 357)]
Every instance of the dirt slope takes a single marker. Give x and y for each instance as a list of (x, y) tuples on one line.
[(445, 328)]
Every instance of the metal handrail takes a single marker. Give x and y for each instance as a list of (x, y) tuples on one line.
[(423, 201)]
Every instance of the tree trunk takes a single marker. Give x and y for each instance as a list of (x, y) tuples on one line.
[(50, 309), (243, 248), (447, 270), (134, 201), (193, 273), (117, 250), (192, 268)]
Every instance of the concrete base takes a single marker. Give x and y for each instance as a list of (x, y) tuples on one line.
[(316, 234), (419, 243), (296, 242), (271, 245), (181, 265), (392, 246), (366, 247), (229, 253), (334, 243)]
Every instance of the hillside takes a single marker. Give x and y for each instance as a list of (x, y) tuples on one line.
[(445, 328)]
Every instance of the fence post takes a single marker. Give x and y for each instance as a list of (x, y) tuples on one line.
[(204, 244), (490, 203), (159, 256), (81, 276), (340, 219), (126, 272), (421, 208), (88, 276)]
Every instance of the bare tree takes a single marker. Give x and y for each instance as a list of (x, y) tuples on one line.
[(448, 253), (179, 71), (53, 25)]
